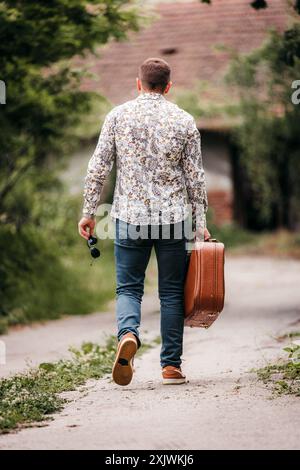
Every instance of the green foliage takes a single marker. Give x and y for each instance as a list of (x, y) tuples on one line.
[(294, 353), (290, 335), (33, 396), (279, 243), (284, 377), (267, 135), (46, 271), (74, 27), (268, 138), (204, 102), (40, 124), (231, 234)]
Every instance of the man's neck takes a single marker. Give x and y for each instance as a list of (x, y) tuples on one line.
[(153, 92)]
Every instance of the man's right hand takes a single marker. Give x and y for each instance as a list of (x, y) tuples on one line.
[(86, 227), (206, 235)]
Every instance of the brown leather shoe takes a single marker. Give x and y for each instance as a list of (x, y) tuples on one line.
[(173, 376), (122, 371)]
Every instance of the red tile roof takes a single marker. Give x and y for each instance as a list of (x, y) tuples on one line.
[(186, 35)]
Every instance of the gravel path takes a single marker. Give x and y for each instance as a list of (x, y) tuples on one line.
[(222, 407)]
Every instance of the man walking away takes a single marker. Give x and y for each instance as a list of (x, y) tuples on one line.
[(157, 150)]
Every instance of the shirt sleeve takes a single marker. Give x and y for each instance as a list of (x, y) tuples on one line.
[(99, 167), (194, 176)]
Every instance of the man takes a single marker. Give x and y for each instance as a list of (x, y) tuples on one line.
[(157, 150)]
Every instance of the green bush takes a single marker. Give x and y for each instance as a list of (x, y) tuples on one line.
[(45, 270), (231, 234)]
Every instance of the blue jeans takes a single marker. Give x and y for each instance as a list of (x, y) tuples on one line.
[(133, 245)]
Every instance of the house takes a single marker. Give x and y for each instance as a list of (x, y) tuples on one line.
[(196, 39)]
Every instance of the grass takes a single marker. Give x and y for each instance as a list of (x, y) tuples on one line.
[(239, 241), (232, 235), (34, 396), (280, 243), (284, 376), (74, 287), (290, 335), (97, 276)]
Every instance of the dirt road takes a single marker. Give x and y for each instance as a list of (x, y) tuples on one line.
[(222, 407)]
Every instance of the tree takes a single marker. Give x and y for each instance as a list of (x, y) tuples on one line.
[(38, 41), (268, 138)]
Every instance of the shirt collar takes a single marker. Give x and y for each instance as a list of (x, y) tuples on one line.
[(150, 95)]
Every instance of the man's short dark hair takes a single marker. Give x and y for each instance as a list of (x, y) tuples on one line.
[(155, 74)]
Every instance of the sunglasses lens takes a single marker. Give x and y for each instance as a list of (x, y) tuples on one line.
[(92, 241), (95, 252)]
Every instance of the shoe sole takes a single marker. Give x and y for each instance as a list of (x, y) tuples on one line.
[(174, 381), (122, 369)]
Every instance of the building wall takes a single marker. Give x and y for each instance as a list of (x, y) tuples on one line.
[(217, 166)]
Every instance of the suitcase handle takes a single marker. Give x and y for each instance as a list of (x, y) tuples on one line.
[(209, 240)]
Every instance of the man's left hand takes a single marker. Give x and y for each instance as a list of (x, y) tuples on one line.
[(207, 235)]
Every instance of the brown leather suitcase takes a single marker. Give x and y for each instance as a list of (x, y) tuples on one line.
[(204, 289)]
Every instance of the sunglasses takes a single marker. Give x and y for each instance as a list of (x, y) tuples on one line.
[(95, 253)]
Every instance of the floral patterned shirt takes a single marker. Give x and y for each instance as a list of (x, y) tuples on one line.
[(160, 177)]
